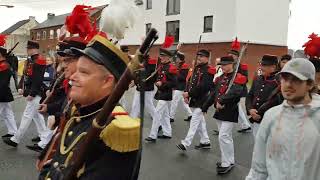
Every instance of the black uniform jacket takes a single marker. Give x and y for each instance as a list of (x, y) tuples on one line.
[(200, 85), (113, 156), (149, 67), (5, 75), (264, 94), (229, 100), (167, 75), (32, 80), (183, 70)]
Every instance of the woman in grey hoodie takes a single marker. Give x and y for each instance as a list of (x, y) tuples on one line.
[(288, 141)]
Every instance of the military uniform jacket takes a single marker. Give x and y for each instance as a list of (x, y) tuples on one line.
[(5, 75), (149, 67), (113, 156), (260, 92), (167, 75), (33, 77), (183, 70), (229, 100), (200, 85)]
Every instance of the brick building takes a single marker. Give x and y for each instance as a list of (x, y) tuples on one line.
[(47, 32)]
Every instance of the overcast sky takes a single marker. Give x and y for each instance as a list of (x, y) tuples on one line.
[(305, 16)]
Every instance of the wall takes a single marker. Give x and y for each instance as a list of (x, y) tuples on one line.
[(21, 35), (263, 22)]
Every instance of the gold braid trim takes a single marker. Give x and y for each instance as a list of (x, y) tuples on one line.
[(63, 149)]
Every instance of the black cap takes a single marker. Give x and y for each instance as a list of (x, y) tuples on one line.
[(165, 52), (204, 53), (234, 52), (33, 45), (286, 57), (181, 56), (268, 60), (316, 63), (124, 48), (3, 51), (103, 52), (68, 43), (226, 60)]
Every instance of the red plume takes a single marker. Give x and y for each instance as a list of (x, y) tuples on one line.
[(2, 39), (235, 45), (95, 32), (168, 41), (79, 21), (312, 47)]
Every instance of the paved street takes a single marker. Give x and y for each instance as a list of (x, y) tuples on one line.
[(160, 161)]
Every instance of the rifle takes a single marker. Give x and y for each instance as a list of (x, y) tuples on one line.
[(104, 118), (54, 87), (242, 51), (13, 61)]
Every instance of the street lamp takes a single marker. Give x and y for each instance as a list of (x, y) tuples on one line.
[(7, 6)]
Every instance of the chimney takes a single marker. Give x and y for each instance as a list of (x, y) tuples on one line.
[(50, 15), (33, 18)]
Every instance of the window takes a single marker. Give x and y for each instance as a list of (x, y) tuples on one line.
[(148, 27), (149, 4), (173, 7), (38, 35), (173, 28), (58, 33), (208, 23), (51, 34), (44, 35)]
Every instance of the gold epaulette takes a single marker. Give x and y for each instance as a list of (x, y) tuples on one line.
[(123, 133)]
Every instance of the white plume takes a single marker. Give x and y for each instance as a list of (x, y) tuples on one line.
[(118, 16)]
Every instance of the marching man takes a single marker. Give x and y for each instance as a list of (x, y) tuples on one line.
[(226, 96), (201, 83), (183, 69), (32, 90), (166, 80), (6, 97)]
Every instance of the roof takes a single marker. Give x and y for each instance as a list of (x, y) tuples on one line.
[(15, 26), (60, 19)]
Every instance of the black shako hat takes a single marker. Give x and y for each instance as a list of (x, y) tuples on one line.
[(103, 52), (204, 53), (226, 60), (65, 46), (181, 56), (3, 51), (286, 57), (32, 45), (268, 60), (165, 52), (234, 52)]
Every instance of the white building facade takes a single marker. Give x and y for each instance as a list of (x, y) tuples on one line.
[(257, 21)]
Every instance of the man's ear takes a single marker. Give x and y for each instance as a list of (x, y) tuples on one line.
[(109, 81)]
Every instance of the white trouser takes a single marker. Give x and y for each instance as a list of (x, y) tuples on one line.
[(255, 128), (149, 106), (226, 143), (243, 121), (178, 97), (6, 114), (31, 113), (161, 118), (197, 123)]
